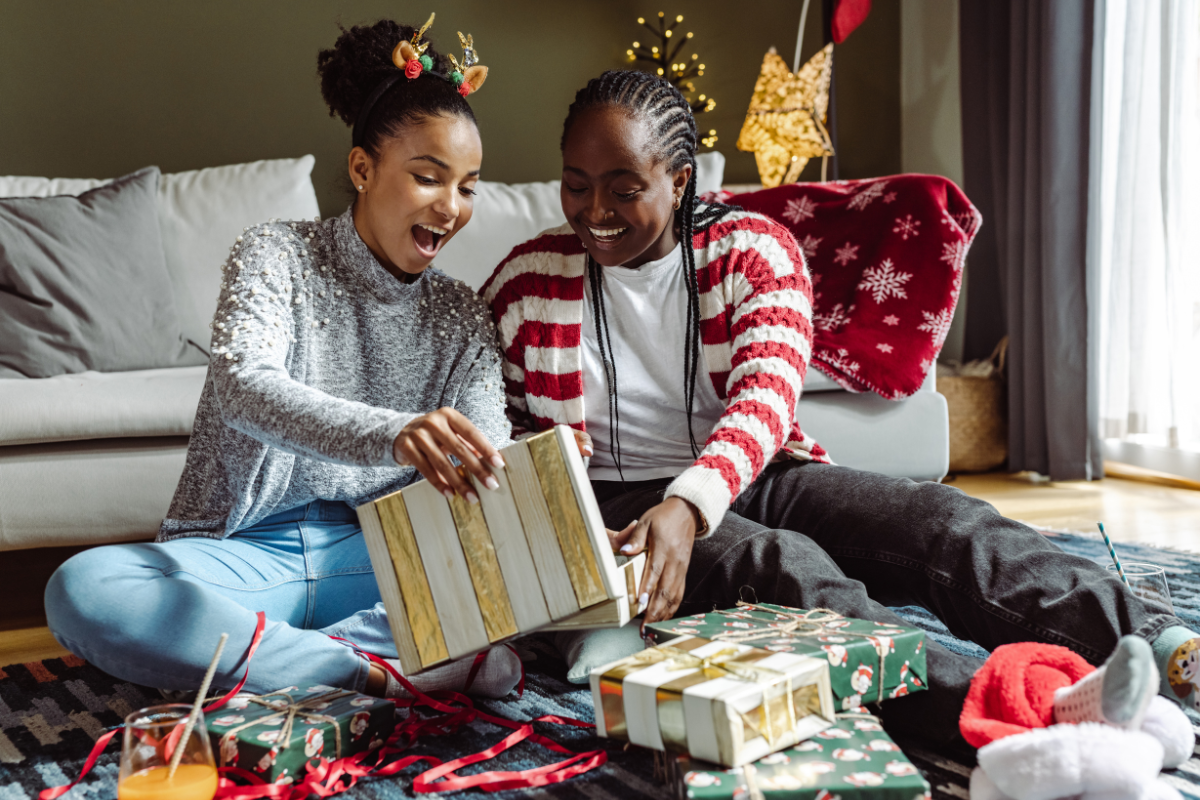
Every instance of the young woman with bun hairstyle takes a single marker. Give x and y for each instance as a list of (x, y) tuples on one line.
[(343, 364), (677, 333)]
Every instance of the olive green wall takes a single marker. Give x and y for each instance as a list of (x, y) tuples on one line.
[(931, 114), (98, 89)]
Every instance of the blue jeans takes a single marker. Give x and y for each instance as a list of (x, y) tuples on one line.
[(153, 613)]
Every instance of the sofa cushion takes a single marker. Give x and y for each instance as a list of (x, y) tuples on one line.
[(98, 405), (203, 211), (84, 285), (907, 438), (507, 214), (87, 493), (200, 214)]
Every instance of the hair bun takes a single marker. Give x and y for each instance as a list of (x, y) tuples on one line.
[(358, 61)]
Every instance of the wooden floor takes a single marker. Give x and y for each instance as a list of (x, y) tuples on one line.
[(28, 644), (1132, 511)]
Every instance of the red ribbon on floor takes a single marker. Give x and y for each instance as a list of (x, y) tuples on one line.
[(97, 749), (325, 778), (414, 726), (102, 742)]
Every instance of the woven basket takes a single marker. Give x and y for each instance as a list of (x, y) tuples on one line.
[(978, 418)]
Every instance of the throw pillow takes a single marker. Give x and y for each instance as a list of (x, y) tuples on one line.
[(84, 284), (201, 213)]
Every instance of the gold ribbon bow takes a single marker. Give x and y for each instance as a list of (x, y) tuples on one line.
[(773, 719), (721, 664), (724, 664)]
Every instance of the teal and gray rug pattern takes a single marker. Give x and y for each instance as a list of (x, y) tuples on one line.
[(52, 711)]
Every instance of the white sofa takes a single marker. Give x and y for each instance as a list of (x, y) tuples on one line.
[(94, 458)]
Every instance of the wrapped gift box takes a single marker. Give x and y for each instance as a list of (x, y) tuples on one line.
[(854, 760), (727, 703), (868, 661), (274, 735)]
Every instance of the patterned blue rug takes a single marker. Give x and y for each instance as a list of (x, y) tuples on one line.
[(52, 711)]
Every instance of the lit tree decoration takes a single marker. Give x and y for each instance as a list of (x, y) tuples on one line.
[(680, 73)]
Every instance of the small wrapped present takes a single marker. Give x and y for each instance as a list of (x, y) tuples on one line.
[(853, 760), (274, 735), (868, 661), (728, 703)]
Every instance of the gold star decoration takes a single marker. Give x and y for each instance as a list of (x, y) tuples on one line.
[(785, 124)]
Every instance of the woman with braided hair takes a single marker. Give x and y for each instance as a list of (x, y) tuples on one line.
[(674, 336)]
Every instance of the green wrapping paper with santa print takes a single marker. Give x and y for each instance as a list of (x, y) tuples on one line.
[(275, 735), (853, 760), (728, 703), (868, 661)]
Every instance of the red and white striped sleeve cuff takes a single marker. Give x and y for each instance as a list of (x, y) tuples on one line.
[(707, 490)]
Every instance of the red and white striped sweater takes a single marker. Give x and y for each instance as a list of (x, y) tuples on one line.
[(756, 334)]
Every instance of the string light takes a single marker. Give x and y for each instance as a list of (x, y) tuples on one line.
[(679, 72)]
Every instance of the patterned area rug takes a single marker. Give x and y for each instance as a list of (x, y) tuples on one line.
[(52, 711)]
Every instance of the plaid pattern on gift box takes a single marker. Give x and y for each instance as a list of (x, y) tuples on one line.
[(868, 661), (274, 735), (853, 760)]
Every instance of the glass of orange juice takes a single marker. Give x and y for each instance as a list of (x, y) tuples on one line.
[(151, 736)]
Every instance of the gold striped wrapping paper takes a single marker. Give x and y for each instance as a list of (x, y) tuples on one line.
[(726, 703), (457, 577)]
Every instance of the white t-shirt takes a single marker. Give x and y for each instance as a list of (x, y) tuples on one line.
[(647, 323)]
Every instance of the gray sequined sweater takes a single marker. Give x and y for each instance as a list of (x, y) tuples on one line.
[(319, 358)]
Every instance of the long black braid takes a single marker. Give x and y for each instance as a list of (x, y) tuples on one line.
[(664, 108)]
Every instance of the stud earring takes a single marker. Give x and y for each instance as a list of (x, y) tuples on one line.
[(360, 188)]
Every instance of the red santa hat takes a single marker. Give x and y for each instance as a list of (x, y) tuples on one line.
[(1024, 755), (1014, 690)]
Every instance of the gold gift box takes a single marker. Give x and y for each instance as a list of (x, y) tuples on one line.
[(721, 702)]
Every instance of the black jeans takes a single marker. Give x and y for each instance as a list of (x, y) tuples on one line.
[(811, 535)]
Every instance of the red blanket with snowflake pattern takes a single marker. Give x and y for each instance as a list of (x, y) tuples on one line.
[(886, 257)]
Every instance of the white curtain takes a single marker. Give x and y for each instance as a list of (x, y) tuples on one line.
[(1144, 220)]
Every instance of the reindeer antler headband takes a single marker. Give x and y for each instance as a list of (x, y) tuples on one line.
[(409, 57)]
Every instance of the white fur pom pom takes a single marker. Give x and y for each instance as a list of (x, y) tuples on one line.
[(1066, 760), (1167, 723)]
